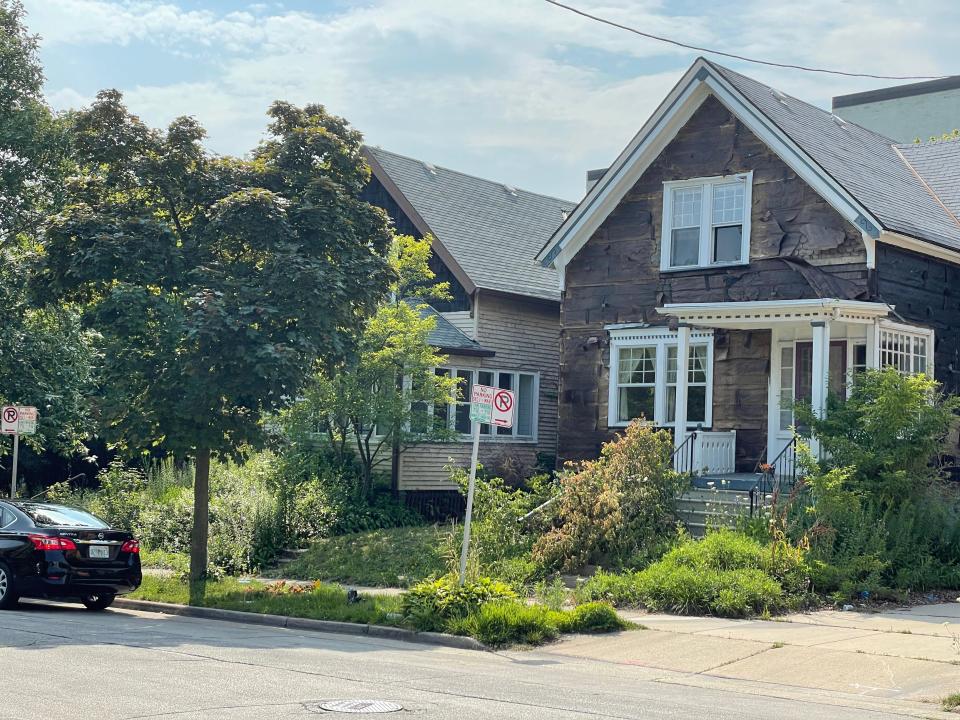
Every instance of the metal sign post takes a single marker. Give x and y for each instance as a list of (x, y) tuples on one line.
[(488, 406), (17, 420)]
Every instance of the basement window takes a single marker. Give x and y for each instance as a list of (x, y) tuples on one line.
[(706, 222)]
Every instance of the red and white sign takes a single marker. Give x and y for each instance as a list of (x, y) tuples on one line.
[(9, 420), (18, 420), (504, 408)]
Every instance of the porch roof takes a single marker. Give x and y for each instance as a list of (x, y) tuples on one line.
[(764, 313)]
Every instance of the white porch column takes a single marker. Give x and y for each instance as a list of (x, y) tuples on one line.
[(873, 356), (683, 360), (819, 382)]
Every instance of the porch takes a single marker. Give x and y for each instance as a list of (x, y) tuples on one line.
[(802, 350)]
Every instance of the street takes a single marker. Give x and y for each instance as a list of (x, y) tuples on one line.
[(60, 661)]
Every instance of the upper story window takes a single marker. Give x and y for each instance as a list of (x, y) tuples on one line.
[(706, 221)]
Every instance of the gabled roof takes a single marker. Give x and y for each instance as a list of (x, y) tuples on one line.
[(866, 163), (861, 173), (446, 336), (491, 231)]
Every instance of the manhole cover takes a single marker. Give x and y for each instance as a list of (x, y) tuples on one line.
[(355, 706)]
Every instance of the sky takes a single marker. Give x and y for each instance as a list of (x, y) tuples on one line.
[(517, 91)]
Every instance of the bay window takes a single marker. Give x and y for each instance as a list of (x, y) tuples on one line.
[(706, 221), (643, 377)]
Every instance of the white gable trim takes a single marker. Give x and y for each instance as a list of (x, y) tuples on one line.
[(700, 81)]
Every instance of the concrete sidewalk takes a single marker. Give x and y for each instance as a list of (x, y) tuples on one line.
[(911, 655)]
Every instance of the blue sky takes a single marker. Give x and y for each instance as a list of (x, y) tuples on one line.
[(514, 90)]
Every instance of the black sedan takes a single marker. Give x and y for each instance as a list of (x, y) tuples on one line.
[(60, 552)]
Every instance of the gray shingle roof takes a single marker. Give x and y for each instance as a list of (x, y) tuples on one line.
[(865, 163), (938, 163), (445, 335), (492, 230)]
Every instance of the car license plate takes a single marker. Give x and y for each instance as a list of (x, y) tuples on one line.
[(100, 552)]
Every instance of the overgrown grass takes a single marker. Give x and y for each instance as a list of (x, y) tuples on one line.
[(394, 557), (318, 602), (950, 702), (726, 574), (179, 563), (488, 613)]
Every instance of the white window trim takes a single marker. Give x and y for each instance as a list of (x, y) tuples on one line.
[(492, 436), (706, 220), (661, 338)]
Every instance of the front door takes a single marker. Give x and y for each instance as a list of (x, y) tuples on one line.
[(795, 383)]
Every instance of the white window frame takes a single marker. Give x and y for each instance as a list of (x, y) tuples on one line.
[(661, 338), (914, 332), (706, 184), (491, 434)]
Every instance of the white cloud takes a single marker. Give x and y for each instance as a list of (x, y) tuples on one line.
[(487, 86)]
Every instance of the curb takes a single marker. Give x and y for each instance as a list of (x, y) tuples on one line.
[(296, 623)]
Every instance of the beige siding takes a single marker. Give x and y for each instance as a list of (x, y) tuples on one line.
[(462, 320), (524, 334), (423, 467)]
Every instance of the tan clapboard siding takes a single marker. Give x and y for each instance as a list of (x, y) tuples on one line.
[(422, 467), (525, 335), (462, 320)]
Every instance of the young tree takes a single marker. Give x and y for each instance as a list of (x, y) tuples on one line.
[(378, 402), (216, 283)]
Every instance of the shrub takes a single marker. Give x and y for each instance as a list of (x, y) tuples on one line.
[(433, 604), (617, 507), (593, 617), (507, 623)]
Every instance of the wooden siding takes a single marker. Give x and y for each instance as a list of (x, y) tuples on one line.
[(925, 291), (524, 334), (800, 247), (462, 320)]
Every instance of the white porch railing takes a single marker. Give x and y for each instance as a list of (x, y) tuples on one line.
[(711, 452)]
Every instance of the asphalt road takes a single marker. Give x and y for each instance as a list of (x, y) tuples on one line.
[(58, 661)]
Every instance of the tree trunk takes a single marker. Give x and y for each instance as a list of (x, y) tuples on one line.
[(201, 516)]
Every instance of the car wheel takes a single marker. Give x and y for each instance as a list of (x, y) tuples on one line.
[(96, 603), (8, 588)]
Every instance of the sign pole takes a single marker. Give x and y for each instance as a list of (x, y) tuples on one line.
[(466, 523), (13, 475)]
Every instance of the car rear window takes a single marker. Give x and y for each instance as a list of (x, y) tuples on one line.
[(61, 516)]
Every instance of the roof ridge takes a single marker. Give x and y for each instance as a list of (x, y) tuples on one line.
[(879, 136), (471, 176)]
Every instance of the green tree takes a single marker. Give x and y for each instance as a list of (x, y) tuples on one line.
[(376, 403), (32, 141), (216, 283)]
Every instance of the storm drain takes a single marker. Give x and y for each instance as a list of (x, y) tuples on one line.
[(354, 706)]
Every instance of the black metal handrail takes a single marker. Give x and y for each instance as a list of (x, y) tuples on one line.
[(775, 476), (682, 458)]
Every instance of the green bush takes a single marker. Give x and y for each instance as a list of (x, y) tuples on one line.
[(433, 604), (616, 508), (507, 623), (593, 617), (727, 573), (882, 515)]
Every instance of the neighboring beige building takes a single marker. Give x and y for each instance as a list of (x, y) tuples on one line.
[(502, 326)]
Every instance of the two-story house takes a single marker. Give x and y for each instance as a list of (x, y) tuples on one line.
[(501, 326), (744, 251)]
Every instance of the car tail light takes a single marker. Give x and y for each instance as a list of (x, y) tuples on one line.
[(46, 542), (130, 546)]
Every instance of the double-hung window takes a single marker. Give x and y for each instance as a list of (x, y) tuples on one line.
[(706, 222), (644, 372)]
